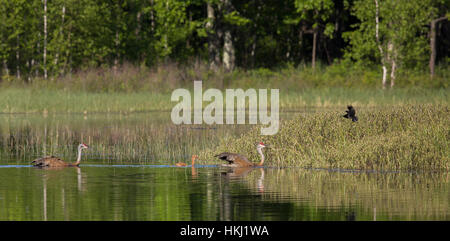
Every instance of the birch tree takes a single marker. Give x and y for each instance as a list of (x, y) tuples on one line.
[(393, 32), (440, 14), (44, 55)]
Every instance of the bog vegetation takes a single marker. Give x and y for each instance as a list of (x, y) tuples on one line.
[(396, 138)]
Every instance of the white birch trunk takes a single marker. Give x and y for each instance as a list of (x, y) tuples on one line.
[(384, 76), (45, 40), (393, 69), (60, 33), (152, 17), (391, 57), (31, 64), (383, 62), (228, 51)]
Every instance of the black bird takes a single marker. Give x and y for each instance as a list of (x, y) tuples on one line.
[(351, 114)]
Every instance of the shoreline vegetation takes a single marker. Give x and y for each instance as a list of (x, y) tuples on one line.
[(407, 137), (139, 89), (48, 101)]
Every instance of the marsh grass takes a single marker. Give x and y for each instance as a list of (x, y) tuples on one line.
[(29, 100), (168, 75), (16, 100), (396, 138), (137, 88), (140, 138)]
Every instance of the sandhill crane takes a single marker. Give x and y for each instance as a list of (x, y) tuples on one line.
[(182, 164), (238, 160), (52, 161), (351, 114)]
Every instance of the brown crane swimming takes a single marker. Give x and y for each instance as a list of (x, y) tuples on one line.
[(238, 160), (52, 161), (182, 164)]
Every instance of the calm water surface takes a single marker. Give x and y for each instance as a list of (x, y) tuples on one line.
[(115, 183)]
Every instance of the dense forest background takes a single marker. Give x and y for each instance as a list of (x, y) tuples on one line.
[(48, 39)]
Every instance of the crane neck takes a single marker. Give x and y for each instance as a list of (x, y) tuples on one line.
[(262, 156), (78, 156)]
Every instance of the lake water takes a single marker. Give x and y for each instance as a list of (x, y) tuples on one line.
[(127, 175)]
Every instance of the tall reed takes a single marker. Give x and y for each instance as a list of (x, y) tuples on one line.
[(114, 139)]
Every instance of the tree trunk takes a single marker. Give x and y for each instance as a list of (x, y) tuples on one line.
[(45, 40), (330, 60), (253, 51), (255, 37), (228, 51), (392, 58), (60, 34), (393, 69), (380, 48), (313, 61), (433, 43), (18, 57), (152, 16), (138, 27), (300, 43), (67, 55), (384, 76), (228, 47), (5, 67), (116, 58), (30, 67), (38, 48), (213, 40)]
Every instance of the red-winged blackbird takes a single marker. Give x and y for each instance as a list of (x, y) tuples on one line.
[(351, 113)]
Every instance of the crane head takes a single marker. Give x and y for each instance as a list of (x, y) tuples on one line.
[(83, 146), (261, 145)]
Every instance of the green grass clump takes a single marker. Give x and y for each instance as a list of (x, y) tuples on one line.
[(398, 138)]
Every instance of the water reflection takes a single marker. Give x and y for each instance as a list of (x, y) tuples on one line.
[(51, 179), (237, 172), (44, 184), (231, 175), (120, 188), (145, 192)]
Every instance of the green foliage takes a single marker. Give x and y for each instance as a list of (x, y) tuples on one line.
[(86, 34), (404, 24)]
